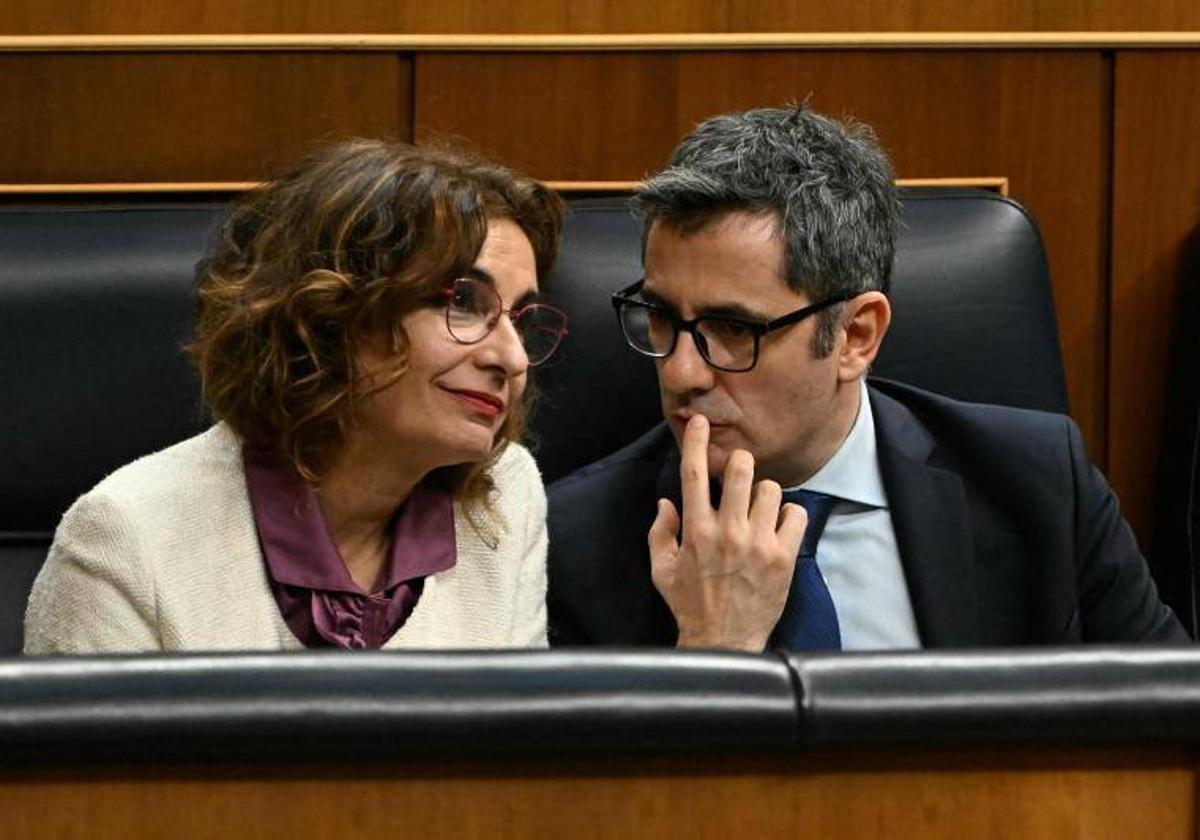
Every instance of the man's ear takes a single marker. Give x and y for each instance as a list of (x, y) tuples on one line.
[(865, 321)]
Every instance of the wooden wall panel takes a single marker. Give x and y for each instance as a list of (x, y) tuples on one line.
[(1039, 118), (1156, 278), (1033, 793), (188, 117), (32, 17)]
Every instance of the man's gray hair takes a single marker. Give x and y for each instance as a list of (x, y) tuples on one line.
[(828, 184)]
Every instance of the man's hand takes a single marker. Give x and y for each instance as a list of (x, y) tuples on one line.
[(727, 580)]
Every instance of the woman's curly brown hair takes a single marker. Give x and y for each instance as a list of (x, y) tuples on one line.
[(340, 249)]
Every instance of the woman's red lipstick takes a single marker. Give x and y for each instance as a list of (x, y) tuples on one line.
[(488, 405)]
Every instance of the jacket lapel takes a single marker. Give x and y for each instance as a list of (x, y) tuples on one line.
[(932, 523)]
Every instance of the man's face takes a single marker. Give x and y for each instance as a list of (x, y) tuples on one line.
[(790, 412)]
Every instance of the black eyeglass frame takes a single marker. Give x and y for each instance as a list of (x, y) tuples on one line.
[(758, 329), (514, 313)]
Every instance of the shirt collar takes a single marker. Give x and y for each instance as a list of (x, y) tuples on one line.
[(853, 471), (300, 551)]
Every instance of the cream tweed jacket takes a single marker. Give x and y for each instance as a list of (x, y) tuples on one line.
[(163, 555)]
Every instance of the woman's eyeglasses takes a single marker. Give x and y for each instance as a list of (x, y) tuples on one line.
[(473, 308)]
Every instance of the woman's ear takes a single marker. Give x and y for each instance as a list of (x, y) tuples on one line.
[(865, 321)]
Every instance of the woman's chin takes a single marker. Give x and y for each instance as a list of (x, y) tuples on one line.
[(465, 451)]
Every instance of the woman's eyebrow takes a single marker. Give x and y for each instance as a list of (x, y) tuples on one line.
[(530, 297), (482, 274)]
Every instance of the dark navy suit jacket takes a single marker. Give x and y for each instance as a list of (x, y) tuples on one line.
[(1007, 533)]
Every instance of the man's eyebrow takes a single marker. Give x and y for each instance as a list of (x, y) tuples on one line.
[(650, 297), (724, 310), (734, 310)]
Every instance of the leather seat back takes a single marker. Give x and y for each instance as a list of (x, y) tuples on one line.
[(95, 308), (973, 318)]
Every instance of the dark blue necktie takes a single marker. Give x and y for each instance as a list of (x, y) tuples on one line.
[(809, 620)]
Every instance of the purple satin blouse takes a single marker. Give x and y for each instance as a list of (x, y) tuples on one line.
[(320, 602)]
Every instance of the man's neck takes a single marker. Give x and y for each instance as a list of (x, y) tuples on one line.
[(831, 437)]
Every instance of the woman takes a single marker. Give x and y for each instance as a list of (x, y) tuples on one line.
[(364, 332)]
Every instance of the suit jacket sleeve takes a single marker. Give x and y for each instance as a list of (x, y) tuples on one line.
[(1118, 600), (94, 593), (529, 611)]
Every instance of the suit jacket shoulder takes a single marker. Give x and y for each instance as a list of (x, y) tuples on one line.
[(1008, 534)]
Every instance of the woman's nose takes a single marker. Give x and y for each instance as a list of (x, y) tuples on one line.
[(509, 350)]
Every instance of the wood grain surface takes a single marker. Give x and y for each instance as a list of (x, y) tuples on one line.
[(989, 793), (188, 117), (594, 16)]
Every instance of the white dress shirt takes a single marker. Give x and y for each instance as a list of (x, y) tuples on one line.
[(857, 553)]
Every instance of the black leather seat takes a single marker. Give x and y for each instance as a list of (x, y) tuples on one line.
[(95, 307), (970, 287)]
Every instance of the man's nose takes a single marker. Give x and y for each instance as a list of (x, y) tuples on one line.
[(685, 369)]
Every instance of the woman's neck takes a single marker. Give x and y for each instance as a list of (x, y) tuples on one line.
[(359, 495)]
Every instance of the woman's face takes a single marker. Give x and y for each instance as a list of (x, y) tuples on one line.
[(453, 398)]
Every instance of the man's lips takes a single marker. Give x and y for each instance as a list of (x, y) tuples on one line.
[(483, 403), (682, 417)]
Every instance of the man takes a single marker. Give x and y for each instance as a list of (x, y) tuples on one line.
[(909, 520)]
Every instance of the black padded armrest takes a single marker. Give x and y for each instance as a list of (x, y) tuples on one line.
[(1086, 694), (383, 705)]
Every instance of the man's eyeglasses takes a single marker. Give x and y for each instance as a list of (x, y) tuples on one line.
[(725, 343), (473, 308)]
